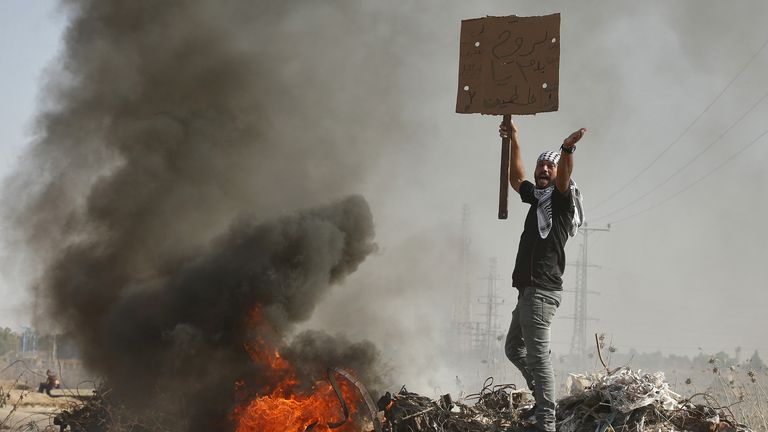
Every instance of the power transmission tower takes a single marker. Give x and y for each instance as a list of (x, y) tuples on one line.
[(491, 331), (581, 316), (462, 313), (29, 343), (462, 307)]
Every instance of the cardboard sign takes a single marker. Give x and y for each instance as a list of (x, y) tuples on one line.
[(509, 65)]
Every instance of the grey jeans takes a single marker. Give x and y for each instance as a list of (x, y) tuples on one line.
[(527, 347)]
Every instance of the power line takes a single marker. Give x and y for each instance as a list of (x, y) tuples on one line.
[(697, 181), (691, 161), (672, 144)]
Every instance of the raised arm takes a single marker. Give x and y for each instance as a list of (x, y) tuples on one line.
[(565, 166), (516, 170)]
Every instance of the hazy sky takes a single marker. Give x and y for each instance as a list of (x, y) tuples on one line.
[(29, 39), (687, 273)]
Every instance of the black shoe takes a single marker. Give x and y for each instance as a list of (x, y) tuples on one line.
[(527, 413)]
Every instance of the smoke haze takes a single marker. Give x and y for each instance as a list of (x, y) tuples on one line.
[(165, 127), (165, 130)]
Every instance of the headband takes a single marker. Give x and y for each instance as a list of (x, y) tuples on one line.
[(549, 156)]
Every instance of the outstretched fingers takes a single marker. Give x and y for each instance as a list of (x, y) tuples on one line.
[(575, 137)]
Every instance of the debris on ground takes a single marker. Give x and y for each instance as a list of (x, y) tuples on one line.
[(91, 415), (616, 401), (495, 408), (621, 400), (100, 413)]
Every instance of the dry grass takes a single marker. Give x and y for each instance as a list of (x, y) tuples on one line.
[(740, 390)]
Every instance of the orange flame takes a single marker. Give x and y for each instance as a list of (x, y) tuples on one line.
[(284, 407), (280, 413)]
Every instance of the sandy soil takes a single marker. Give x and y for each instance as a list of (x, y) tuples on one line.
[(27, 410)]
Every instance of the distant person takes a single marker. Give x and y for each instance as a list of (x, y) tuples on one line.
[(51, 382), (554, 215)]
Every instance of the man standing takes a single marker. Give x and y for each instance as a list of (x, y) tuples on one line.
[(540, 264)]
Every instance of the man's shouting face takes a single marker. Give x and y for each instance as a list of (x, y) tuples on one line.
[(545, 173)]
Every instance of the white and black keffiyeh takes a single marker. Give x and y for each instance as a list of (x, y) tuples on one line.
[(544, 205), (544, 209), (550, 156), (578, 210)]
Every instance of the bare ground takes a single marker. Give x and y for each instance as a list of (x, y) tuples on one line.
[(24, 409)]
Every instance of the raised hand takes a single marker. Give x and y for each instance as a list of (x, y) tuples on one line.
[(507, 131), (573, 138)]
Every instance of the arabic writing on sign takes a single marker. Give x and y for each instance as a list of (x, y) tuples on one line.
[(509, 65)]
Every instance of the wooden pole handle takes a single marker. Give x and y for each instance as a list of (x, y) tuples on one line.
[(504, 175)]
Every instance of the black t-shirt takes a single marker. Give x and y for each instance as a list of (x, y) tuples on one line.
[(540, 262)]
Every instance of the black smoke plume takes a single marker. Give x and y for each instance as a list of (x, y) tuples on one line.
[(174, 140), (178, 344)]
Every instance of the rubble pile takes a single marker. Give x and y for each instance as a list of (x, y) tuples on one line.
[(621, 400), (495, 408), (617, 401)]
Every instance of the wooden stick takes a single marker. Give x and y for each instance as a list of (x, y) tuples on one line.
[(504, 177)]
